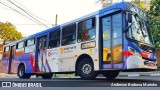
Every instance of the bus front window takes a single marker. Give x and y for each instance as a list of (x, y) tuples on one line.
[(139, 30)]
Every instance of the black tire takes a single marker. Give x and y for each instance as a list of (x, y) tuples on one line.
[(22, 74), (47, 75), (110, 74), (86, 69)]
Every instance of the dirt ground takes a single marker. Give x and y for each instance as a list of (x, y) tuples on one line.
[(3, 75)]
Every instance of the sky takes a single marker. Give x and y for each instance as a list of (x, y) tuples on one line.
[(66, 10)]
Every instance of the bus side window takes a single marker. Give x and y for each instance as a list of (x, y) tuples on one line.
[(68, 35), (20, 48), (54, 39), (86, 30), (6, 52), (40, 44), (30, 45)]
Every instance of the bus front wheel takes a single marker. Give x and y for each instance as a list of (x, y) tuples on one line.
[(22, 74), (86, 69), (110, 74)]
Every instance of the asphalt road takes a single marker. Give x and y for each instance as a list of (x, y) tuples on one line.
[(99, 82)]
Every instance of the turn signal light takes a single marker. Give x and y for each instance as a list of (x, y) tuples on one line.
[(127, 53), (145, 55)]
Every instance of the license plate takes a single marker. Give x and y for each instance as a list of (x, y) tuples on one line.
[(151, 64)]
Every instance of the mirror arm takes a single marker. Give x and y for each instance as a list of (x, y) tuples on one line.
[(126, 29)]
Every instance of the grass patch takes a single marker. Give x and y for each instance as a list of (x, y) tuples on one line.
[(64, 75)]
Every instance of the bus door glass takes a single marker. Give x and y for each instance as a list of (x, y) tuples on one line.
[(42, 47), (11, 60), (106, 29), (112, 41)]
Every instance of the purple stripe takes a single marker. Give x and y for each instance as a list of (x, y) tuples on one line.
[(118, 65), (48, 66), (107, 66), (115, 65)]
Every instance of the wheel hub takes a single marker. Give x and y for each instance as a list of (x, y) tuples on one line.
[(87, 69), (21, 72)]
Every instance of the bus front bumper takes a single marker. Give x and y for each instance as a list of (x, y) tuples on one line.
[(133, 62)]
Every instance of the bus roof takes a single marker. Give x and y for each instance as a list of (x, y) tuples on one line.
[(121, 5), (34, 35)]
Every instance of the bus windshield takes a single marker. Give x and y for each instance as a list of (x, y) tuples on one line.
[(139, 26), (139, 30)]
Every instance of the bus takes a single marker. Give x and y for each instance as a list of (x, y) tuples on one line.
[(111, 40)]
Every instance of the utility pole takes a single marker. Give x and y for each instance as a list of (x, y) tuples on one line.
[(56, 20)]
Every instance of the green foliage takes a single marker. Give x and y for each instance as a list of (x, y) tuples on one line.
[(8, 32), (155, 28), (155, 8), (154, 15), (139, 3)]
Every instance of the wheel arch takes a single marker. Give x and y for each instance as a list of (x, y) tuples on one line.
[(79, 59), (20, 65)]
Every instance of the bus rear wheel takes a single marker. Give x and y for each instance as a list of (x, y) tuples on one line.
[(47, 75), (110, 74), (22, 74), (86, 69)]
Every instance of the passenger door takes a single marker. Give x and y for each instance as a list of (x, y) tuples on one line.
[(41, 53), (11, 59), (111, 27)]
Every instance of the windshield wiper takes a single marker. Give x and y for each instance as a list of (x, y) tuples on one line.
[(127, 28), (129, 14)]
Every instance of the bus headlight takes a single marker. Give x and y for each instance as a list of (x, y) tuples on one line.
[(134, 52)]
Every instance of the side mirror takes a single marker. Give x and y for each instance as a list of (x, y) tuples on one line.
[(129, 17)]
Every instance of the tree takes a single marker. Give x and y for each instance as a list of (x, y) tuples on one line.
[(105, 3), (154, 15), (140, 4), (155, 7), (8, 32)]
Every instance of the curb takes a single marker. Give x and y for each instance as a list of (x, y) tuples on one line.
[(135, 75)]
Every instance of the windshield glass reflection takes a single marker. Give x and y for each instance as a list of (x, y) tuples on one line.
[(139, 30)]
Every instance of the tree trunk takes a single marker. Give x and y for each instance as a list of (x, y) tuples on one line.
[(158, 58), (4, 42)]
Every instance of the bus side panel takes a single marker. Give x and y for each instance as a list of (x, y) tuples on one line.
[(28, 60), (125, 49), (52, 60), (15, 65), (5, 63)]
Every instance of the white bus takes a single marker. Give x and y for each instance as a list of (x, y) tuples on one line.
[(113, 39)]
